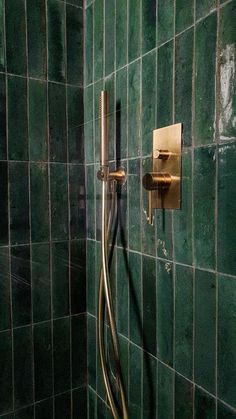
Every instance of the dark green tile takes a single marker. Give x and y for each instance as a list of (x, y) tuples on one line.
[(39, 202), (36, 18), (3, 140), (134, 109), (17, 119), (124, 356), (149, 386), (38, 136), (59, 201), (77, 202), (165, 391), (56, 40), (204, 206), (204, 128), (25, 413), (226, 340), (98, 87), (135, 305), (164, 85), (204, 405), (90, 275), (75, 127), (4, 203), (134, 33), (101, 409), (121, 33), (122, 208), (77, 2), (135, 383), (2, 37), (92, 405), (57, 122), (61, 355), (79, 350), (148, 101), (21, 285), (90, 202), (43, 360), (41, 284), (122, 293), (121, 114), (16, 36), (88, 70), (110, 88), (225, 412), (205, 333), (23, 367), (204, 7), (98, 207), (44, 409), (6, 394), (165, 20), (5, 308), (60, 279), (134, 205), (89, 125), (148, 25), (148, 230), (183, 83), (184, 321), (78, 276), (98, 39), (183, 398), (226, 209), (74, 38), (184, 14), (92, 352), (109, 30), (164, 234), (63, 406), (79, 397), (149, 304)]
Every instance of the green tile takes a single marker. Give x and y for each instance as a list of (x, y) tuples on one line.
[(164, 85), (121, 114), (164, 234), (59, 201), (90, 202), (110, 88), (148, 230), (56, 40), (205, 333), (92, 405), (98, 39), (77, 202), (98, 207), (36, 18), (135, 304), (4, 203), (183, 398), (148, 25), (41, 284), (39, 202), (122, 293), (23, 367), (38, 137), (60, 280), (109, 33), (61, 355), (98, 87), (25, 413), (3, 140), (43, 360), (75, 121), (165, 20), (92, 352), (57, 122), (90, 275), (165, 314), (16, 37), (134, 205), (63, 406), (17, 119), (5, 308), (149, 386), (184, 320), (101, 409), (79, 397), (134, 109), (183, 83), (78, 276), (226, 339), (88, 65), (204, 127), (148, 101), (79, 351), (74, 48), (165, 391), (225, 412), (184, 14), (6, 395), (121, 33), (226, 209), (122, 207), (135, 383), (88, 119), (2, 40), (149, 304), (204, 7), (134, 32), (44, 409), (204, 405), (124, 356)]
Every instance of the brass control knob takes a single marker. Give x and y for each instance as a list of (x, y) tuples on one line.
[(153, 181)]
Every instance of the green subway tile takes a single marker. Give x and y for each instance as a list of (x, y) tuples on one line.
[(16, 37), (183, 398), (21, 285), (77, 2), (205, 333), (183, 217), (110, 88), (88, 119), (164, 85), (4, 203), (134, 205), (36, 18), (149, 386), (121, 33), (90, 202), (57, 122), (227, 340), (101, 409), (2, 40), (41, 285), (90, 275), (74, 38), (75, 121), (5, 308), (56, 40), (135, 305), (183, 83), (134, 109), (61, 355), (165, 312), (59, 201), (77, 202), (225, 412), (204, 128), (62, 405), (148, 25), (121, 114), (39, 202), (88, 65), (148, 230), (164, 234), (149, 304), (44, 409), (78, 276), (204, 206), (3, 140), (124, 356), (122, 233), (184, 320), (6, 394), (122, 293), (92, 352), (226, 209), (204, 405), (43, 360), (135, 383), (98, 206), (165, 20), (134, 31), (184, 14), (25, 413), (79, 400), (17, 119), (204, 7), (109, 31), (23, 366), (165, 391), (98, 87), (92, 404), (60, 280), (38, 137), (79, 351), (98, 39), (148, 101)]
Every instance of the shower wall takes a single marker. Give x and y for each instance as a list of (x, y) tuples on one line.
[(42, 211), (164, 62)]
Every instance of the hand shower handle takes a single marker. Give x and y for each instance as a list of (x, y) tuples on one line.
[(104, 128)]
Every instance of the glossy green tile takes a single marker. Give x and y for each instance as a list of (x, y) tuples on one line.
[(184, 14), (149, 9), (225, 412), (110, 88), (39, 202), (38, 136), (44, 409), (98, 207), (16, 36), (165, 312), (57, 122), (60, 279), (165, 391), (78, 276), (21, 285), (183, 398), (109, 33), (165, 20), (149, 304), (134, 31), (61, 355), (204, 7), (6, 394), (25, 413), (148, 101), (205, 333), (77, 202), (88, 119), (92, 404), (79, 399), (3, 140), (5, 308), (43, 378), (164, 85), (36, 18), (124, 354), (75, 128), (204, 127), (88, 34), (121, 114), (135, 383), (59, 201), (101, 409), (183, 83), (134, 109), (4, 203), (135, 304), (226, 209), (79, 350), (17, 119), (92, 352), (164, 234), (62, 406), (134, 219), (226, 340), (122, 293), (98, 87), (184, 320), (204, 405), (2, 40), (90, 276), (122, 207), (149, 386), (56, 21), (23, 367), (121, 33), (74, 47), (98, 39), (90, 200), (148, 230), (41, 284)]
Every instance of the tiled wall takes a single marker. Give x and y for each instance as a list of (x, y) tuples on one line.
[(163, 62), (42, 211)]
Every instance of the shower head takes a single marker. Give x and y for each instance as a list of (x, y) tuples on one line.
[(104, 128)]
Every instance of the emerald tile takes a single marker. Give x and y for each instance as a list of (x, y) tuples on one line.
[(2, 40), (79, 400), (77, 2), (6, 395), (149, 25), (41, 284), (36, 18), (38, 137), (56, 40), (226, 340), (204, 405), (92, 404), (135, 383), (16, 36), (184, 320), (122, 208), (148, 101), (149, 386), (122, 293), (183, 83), (78, 276), (110, 88), (92, 352), (23, 367), (184, 14), (121, 114), (4, 203), (124, 356), (101, 409), (149, 304), (60, 279), (90, 275), (57, 122), (164, 234), (205, 333), (74, 48), (17, 119), (148, 230), (165, 391), (77, 202), (25, 413), (205, 83), (88, 34), (135, 304), (98, 87), (59, 201), (75, 124), (79, 351), (134, 32), (61, 355), (225, 412), (134, 219), (62, 406), (89, 126), (98, 39), (98, 206), (134, 109), (5, 308), (165, 20), (39, 202), (183, 398), (121, 33), (3, 143), (204, 7), (90, 202), (164, 85), (43, 360), (44, 409)]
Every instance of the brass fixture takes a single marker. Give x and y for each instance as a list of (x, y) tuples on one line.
[(164, 182)]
